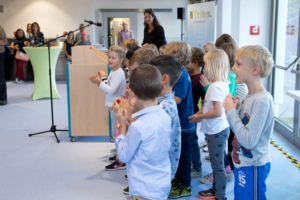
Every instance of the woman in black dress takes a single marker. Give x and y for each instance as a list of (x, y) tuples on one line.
[(154, 33), (68, 44), (18, 44)]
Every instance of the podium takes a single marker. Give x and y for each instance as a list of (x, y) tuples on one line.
[(40, 63), (88, 115)]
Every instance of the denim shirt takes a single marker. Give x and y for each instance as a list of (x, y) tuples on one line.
[(145, 150), (169, 105)]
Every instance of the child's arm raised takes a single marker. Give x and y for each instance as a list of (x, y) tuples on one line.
[(115, 83)]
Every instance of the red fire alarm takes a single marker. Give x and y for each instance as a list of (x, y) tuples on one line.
[(254, 30), (290, 30)]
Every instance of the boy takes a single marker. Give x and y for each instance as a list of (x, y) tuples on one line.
[(253, 126), (170, 70), (181, 184), (193, 68), (209, 46), (145, 146), (141, 56), (162, 49)]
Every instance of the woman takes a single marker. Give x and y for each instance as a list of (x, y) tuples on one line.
[(18, 44), (36, 36), (3, 42), (154, 33), (69, 43), (84, 39), (28, 31)]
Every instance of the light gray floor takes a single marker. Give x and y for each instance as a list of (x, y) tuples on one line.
[(34, 168)]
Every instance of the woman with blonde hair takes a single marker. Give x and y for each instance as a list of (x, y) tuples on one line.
[(36, 36), (68, 44)]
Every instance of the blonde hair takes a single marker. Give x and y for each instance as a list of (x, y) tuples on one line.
[(73, 39), (163, 47), (143, 56), (258, 55), (180, 50), (152, 46), (121, 53), (130, 43), (87, 37), (217, 66), (210, 45)]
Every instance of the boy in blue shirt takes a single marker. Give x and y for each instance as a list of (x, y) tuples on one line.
[(145, 146), (181, 184), (170, 70)]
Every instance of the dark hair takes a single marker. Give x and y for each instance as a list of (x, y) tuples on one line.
[(27, 27), (17, 37), (143, 56), (38, 26), (155, 20), (230, 50), (198, 56), (168, 65), (225, 38), (145, 82), (131, 51)]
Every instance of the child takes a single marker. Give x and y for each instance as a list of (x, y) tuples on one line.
[(214, 122), (181, 184), (253, 126), (129, 44), (225, 38), (114, 88), (209, 46), (129, 54), (84, 39), (141, 56), (193, 68), (145, 146), (162, 49), (153, 47), (170, 70)]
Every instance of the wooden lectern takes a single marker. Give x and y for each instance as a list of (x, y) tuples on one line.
[(88, 115)]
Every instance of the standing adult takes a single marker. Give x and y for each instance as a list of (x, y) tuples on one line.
[(29, 66), (154, 33), (28, 31), (3, 42), (124, 34), (78, 35), (36, 36), (68, 44), (17, 45)]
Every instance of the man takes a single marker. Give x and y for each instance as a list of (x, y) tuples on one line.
[(124, 34), (78, 35)]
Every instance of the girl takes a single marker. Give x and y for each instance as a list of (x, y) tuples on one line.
[(18, 44), (68, 44), (114, 88), (214, 122), (84, 39)]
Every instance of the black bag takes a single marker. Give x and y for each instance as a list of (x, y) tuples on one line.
[(7, 50)]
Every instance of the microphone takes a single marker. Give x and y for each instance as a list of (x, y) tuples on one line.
[(91, 22)]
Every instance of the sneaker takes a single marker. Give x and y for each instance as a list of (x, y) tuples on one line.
[(230, 175), (112, 159), (126, 191), (207, 157), (208, 179), (17, 80), (113, 150), (195, 173), (115, 166), (207, 194), (174, 183), (203, 144), (20, 82), (205, 149), (180, 191), (125, 177)]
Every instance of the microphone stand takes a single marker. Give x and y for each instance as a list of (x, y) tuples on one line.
[(53, 127)]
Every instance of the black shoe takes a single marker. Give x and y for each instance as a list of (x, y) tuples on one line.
[(2, 103), (112, 159), (115, 166), (217, 199), (207, 194), (126, 178), (126, 191)]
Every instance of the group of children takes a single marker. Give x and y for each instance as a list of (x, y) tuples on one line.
[(156, 101)]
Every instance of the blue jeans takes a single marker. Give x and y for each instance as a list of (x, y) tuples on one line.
[(183, 174), (195, 152)]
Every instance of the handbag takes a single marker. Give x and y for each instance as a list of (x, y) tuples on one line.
[(7, 50), (21, 56)]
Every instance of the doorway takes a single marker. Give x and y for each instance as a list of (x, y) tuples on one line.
[(114, 26)]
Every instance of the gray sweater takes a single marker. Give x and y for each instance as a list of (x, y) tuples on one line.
[(251, 145)]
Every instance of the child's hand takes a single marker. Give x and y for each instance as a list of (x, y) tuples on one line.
[(230, 102), (118, 126), (95, 79), (195, 118), (122, 117), (204, 81), (116, 104), (101, 74), (128, 106)]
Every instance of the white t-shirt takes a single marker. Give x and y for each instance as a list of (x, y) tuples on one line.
[(115, 86), (217, 91)]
